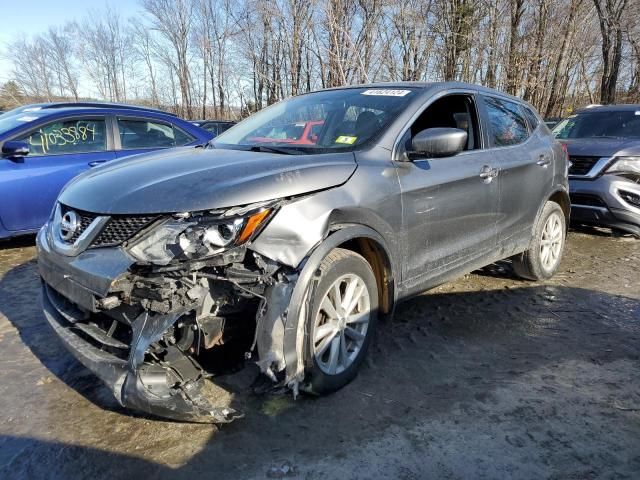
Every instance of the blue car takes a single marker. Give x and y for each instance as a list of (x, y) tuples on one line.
[(46, 145)]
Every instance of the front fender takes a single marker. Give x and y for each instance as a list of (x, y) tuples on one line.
[(294, 333)]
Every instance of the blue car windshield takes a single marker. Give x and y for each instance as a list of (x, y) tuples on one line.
[(325, 121), (9, 120), (612, 124)]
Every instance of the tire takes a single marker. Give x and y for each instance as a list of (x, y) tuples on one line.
[(533, 264), (348, 270)]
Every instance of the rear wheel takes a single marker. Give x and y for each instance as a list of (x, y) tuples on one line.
[(542, 259), (342, 321)]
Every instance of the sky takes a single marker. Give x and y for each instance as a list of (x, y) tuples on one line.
[(29, 17)]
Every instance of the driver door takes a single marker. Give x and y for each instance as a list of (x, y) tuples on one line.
[(449, 204)]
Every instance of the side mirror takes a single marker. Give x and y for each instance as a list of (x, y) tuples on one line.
[(15, 149), (439, 142)]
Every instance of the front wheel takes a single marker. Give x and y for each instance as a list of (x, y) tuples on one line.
[(342, 321), (542, 259)]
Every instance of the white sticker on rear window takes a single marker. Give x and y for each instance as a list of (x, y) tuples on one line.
[(637, 112), (386, 93), (27, 118)]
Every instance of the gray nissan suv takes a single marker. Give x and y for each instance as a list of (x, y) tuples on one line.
[(604, 150), (285, 250)]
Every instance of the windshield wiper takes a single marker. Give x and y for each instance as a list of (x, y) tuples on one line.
[(280, 150)]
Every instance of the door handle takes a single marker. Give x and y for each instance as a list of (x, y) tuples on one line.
[(543, 161), (95, 163), (487, 173)]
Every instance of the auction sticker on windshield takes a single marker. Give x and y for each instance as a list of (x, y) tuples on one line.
[(349, 140), (386, 93)]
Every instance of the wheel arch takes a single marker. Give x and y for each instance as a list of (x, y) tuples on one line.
[(560, 196), (374, 252), (355, 237)]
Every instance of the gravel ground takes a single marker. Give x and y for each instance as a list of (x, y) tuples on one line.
[(485, 377)]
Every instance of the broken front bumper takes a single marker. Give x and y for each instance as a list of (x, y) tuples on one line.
[(71, 291)]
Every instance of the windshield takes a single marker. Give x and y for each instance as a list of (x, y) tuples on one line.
[(620, 124), (320, 122), (9, 122)]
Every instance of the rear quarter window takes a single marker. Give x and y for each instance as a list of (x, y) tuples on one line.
[(532, 118)]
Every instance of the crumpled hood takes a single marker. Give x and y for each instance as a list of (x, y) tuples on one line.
[(190, 179), (602, 147)]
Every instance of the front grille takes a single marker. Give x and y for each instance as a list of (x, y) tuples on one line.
[(582, 165), (119, 229), (584, 199), (630, 197), (85, 219)]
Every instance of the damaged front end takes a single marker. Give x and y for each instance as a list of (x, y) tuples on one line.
[(181, 301)]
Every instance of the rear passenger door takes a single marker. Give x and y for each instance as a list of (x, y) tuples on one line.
[(139, 135), (58, 151), (524, 155)]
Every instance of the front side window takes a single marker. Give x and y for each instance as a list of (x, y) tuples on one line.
[(320, 122), (135, 134), (452, 111), (507, 125), (621, 124), (67, 137)]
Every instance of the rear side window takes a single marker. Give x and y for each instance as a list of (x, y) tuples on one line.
[(507, 125), (181, 137), (67, 137), (531, 117), (136, 134), (223, 127)]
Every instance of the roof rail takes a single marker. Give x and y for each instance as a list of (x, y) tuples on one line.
[(45, 106)]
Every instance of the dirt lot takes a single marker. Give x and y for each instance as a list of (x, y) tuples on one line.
[(487, 377)]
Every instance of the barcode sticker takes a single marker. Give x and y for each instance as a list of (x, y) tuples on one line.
[(386, 93)]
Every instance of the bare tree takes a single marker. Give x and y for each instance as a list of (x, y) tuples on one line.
[(173, 20), (610, 18)]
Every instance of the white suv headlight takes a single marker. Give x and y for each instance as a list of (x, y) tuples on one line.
[(625, 165)]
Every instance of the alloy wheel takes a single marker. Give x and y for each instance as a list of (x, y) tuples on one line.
[(551, 242), (341, 324)]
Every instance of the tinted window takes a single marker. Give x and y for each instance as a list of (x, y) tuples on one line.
[(148, 134), (68, 136), (507, 125), (622, 124)]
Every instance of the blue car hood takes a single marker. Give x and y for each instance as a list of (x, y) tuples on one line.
[(191, 179)]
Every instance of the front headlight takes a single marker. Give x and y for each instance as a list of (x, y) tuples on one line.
[(628, 165), (196, 236)]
